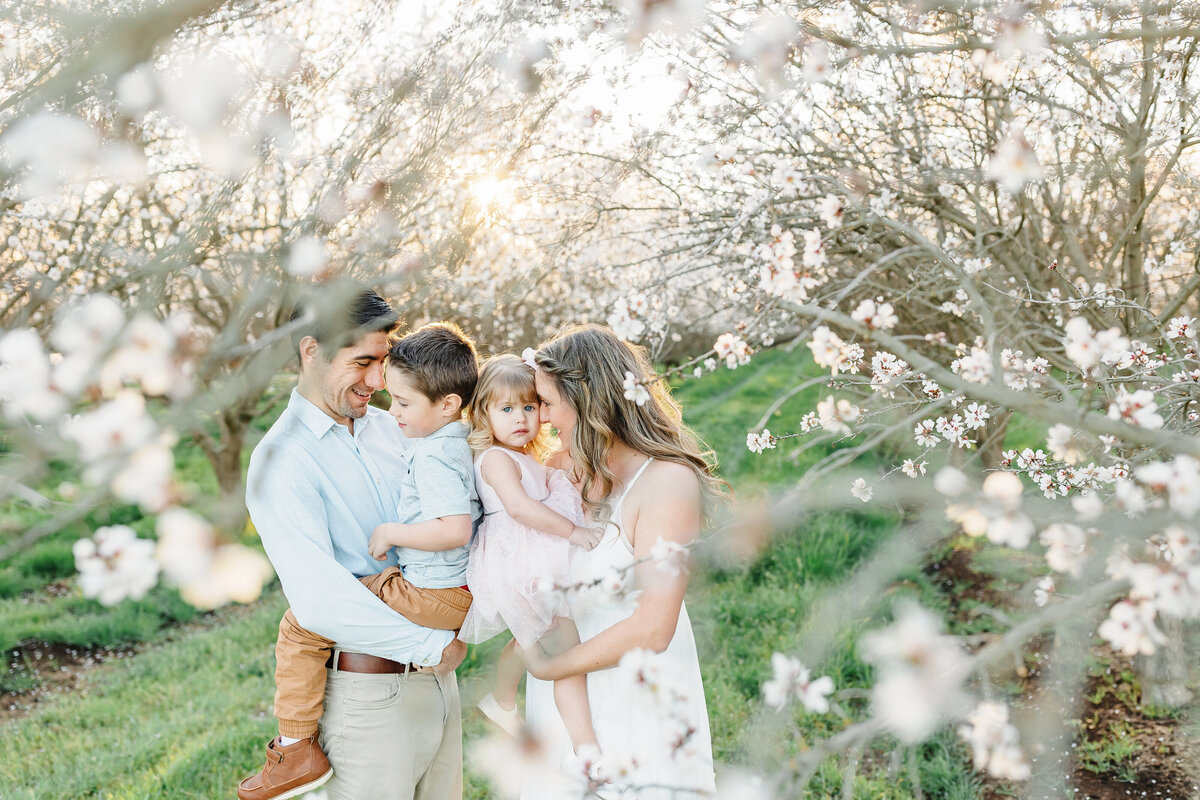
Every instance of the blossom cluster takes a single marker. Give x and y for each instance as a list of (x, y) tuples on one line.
[(122, 364)]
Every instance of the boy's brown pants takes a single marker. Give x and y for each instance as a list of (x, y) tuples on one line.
[(301, 655)]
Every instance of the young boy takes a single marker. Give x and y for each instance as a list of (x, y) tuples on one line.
[(430, 375)]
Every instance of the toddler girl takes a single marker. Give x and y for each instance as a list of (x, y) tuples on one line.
[(531, 519)]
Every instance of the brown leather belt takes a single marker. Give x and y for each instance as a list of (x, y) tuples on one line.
[(372, 665)]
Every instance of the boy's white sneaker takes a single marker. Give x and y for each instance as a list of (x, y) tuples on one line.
[(506, 719)]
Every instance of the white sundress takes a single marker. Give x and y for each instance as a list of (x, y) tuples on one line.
[(625, 726)]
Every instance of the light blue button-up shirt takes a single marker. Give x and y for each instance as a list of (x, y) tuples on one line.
[(315, 493)]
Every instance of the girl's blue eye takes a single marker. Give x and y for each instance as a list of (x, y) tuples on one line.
[(529, 408), (506, 409)]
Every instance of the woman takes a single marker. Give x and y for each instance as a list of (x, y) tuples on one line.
[(642, 473)]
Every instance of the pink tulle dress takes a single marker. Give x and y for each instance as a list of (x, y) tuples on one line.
[(509, 560)]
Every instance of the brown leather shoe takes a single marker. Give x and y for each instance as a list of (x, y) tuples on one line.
[(289, 772)]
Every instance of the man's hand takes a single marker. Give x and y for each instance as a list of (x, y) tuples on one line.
[(587, 538), (452, 656), (379, 545)]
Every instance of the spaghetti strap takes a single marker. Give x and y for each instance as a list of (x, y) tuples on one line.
[(617, 506)]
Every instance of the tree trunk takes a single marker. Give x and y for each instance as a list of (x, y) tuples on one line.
[(224, 453), (1164, 674)]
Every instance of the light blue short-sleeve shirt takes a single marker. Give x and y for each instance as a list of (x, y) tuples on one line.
[(440, 482)]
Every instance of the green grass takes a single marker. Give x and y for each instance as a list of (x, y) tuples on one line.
[(188, 715)]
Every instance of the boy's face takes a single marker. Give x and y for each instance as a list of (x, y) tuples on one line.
[(415, 413)]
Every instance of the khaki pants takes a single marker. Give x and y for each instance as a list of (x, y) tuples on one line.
[(393, 737), (300, 654)]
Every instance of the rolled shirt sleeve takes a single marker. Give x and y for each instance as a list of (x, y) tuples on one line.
[(288, 505)]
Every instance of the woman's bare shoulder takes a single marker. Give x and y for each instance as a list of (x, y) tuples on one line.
[(669, 479)]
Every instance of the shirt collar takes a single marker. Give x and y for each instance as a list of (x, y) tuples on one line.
[(451, 430), (313, 418)]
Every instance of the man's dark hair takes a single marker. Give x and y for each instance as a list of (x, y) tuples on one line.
[(439, 359), (338, 321)]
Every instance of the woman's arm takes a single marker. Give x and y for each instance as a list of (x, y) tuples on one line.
[(504, 476), (667, 505)]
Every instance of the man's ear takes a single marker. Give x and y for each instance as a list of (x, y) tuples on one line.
[(309, 349), (452, 405)]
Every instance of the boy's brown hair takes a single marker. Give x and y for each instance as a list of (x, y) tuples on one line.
[(439, 359)]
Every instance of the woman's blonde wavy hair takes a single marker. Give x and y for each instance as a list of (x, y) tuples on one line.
[(504, 378), (588, 364)]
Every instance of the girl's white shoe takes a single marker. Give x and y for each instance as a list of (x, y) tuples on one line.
[(506, 719)]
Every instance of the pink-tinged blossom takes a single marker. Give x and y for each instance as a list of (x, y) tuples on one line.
[(975, 367), (669, 557), (1137, 408), (1066, 546), (837, 415), (860, 490), (921, 671), (814, 250), (624, 319), (924, 433), (1014, 163), (816, 62), (1061, 441), (1088, 348), (886, 371), (733, 349), (1130, 629), (976, 416), (1181, 327), (110, 433), (757, 442), (789, 679), (809, 422), (830, 210), (827, 349), (1183, 544), (995, 742), (635, 390), (912, 469), (115, 564), (876, 315), (147, 358)]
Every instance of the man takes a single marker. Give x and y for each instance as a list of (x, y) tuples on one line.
[(321, 480)]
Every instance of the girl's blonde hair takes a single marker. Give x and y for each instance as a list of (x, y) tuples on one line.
[(589, 365), (503, 378)]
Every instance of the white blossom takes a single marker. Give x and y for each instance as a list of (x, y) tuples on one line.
[(995, 742), (115, 564), (757, 442), (790, 678), (876, 315), (837, 415), (860, 490), (1014, 163), (733, 349), (635, 390)]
